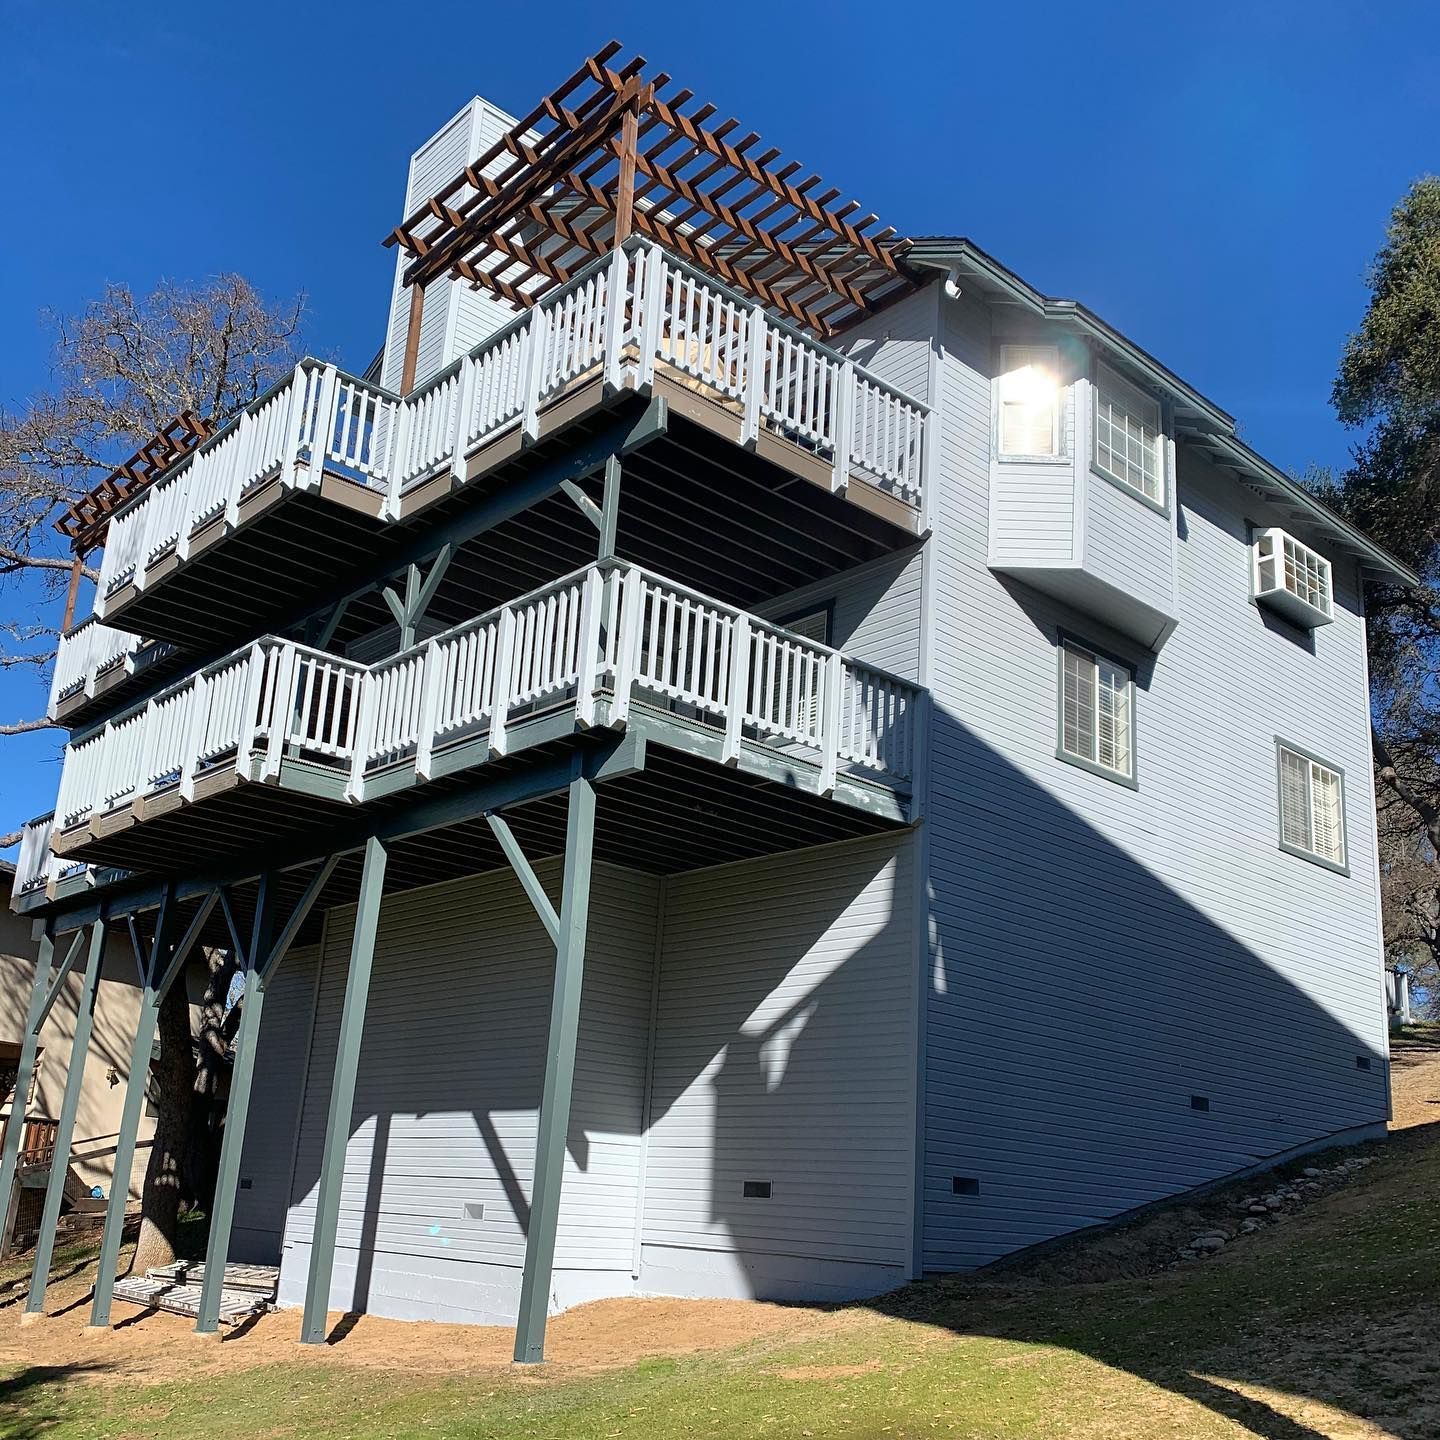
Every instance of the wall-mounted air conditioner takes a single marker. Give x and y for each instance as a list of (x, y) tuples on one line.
[(1292, 579)]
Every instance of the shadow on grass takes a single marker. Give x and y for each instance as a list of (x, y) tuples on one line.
[(28, 1399), (1293, 1317)]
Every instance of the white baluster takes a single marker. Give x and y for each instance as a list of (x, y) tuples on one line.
[(325, 416), (627, 651), (500, 703), (754, 396), (460, 431), (364, 736), (737, 694), (833, 689), (535, 334), (614, 339), (429, 700), (842, 422), (588, 654)]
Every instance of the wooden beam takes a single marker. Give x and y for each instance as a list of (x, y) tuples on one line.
[(625, 188), (412, 339), (73, 591)]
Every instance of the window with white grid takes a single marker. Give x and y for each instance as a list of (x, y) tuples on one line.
[(1128, 443), (1027, 402), (1283, 563), (1312, 807), (1096, 710)]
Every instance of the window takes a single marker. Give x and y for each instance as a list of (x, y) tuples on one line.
[(1128, 443), (1027, 400), (1292, 578), (1312, 807), (1096, 712)]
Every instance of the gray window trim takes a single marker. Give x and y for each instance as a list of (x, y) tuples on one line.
[(1130, 781), (1281, 743), (1160, 507)]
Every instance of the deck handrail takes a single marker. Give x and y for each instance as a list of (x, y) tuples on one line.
[(606, 633), (619, 316)]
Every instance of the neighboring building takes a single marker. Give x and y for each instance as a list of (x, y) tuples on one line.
[(97, 1121), (964, 655)]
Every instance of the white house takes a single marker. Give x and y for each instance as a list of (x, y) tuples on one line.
[(654, 740)]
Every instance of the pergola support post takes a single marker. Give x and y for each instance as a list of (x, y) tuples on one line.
[(342, 1095), (554, 1118), (29, 1044), (65, 1128)]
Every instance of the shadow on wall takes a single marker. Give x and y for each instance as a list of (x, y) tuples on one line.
[(1095, 1041)]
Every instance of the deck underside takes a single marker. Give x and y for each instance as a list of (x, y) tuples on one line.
[(742, 525), (676, 809)]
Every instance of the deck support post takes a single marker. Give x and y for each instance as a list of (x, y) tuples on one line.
[(29, 1043), (65, 1129), (237, 1107), (610, 509), (342, 1095), (554, 1119), (165, 963)]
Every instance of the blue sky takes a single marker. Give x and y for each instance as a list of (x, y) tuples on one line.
[(1211, 179)]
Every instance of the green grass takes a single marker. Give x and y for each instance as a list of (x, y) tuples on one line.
[(1329, 1315)]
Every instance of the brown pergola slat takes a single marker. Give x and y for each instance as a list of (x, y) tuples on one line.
[(609, 153)]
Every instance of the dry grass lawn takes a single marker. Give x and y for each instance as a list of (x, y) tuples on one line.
[(1322, 1325)]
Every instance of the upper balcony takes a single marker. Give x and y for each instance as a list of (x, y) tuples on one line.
[(318, 481), (753, 728)]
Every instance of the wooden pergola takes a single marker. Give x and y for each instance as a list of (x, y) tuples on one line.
[(613, 153), (85, 520)]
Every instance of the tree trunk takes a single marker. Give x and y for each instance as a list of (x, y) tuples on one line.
[(174, 1082), (190, 1101)]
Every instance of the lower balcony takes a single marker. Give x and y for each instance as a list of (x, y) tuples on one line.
[(773, 741)]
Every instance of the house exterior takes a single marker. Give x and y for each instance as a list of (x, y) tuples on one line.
[(97, 1120), (760, 757)]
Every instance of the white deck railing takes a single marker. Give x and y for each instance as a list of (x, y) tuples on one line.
[(36, 865), (608, 632), (620, 317)]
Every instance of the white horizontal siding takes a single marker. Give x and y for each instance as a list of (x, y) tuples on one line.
[(874, 611), (784, 1053), (449, 1083), (1101, 954), (1128, 544), (455, 317), (280, 1067)]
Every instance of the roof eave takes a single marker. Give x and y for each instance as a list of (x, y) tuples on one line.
[(1214, 426)]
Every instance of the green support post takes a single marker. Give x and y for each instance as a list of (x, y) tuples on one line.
[(29, 1044), (161, 968), (237, 1109), (554, 1119), (65, 1129), (342, 1095)]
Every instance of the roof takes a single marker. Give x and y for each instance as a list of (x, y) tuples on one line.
[(1198, 420), (615, 151)]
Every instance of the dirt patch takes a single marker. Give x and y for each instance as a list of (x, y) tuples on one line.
[(608, 1334)]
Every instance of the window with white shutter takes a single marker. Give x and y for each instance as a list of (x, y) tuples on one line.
[(1027, 402), (1129, 448), (1312, 807), (1097, 712)]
